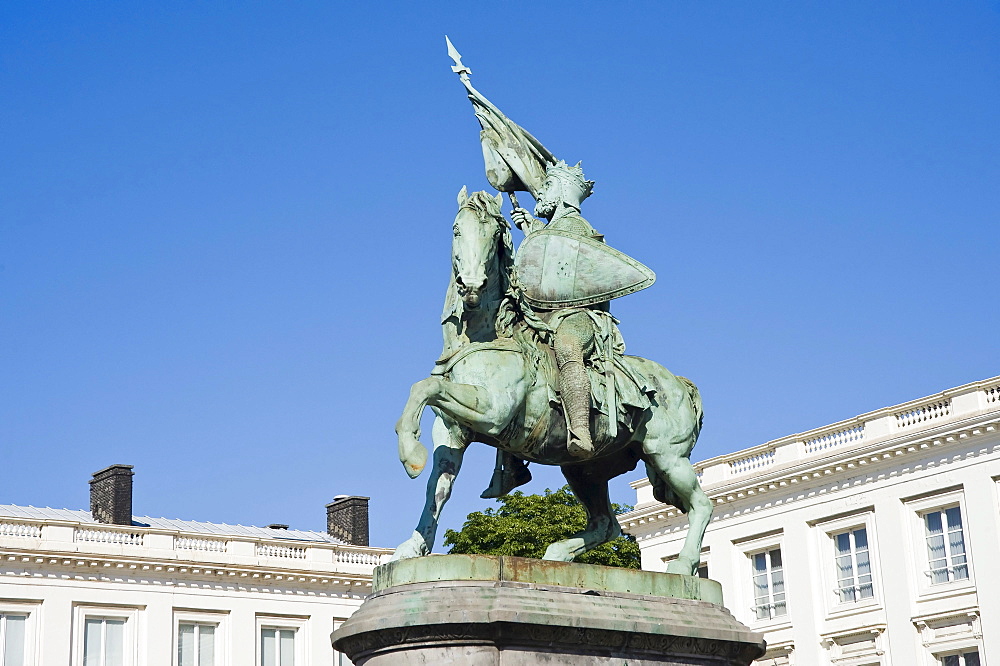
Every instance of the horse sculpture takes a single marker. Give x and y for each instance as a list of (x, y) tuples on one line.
[(494, 385)]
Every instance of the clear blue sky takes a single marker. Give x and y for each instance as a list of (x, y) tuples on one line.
[(224, 227)]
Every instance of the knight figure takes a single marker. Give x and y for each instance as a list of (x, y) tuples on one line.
[(565, 271), (574, 336)]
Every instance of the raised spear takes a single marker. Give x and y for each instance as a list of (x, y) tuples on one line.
[(515, 160)]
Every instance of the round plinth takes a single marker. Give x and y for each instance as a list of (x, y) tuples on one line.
[(479, 610)]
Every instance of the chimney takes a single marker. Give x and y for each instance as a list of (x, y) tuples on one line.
[(347, 519), (111, 495)]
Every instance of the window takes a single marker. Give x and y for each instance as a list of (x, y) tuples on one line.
[(945, 546), (13, 639), (283, 641), (848, 545), (969, 658), (104, 636), (768, 585), (277, 646), (195, 644), (853, 566), (940, 551), (104, 641), (199, 637)]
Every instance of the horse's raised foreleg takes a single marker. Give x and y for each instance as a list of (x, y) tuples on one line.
[(412, 453), (472, 406), (590, 486), (449, 447), (682, 489)]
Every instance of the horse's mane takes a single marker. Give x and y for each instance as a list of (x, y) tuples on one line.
[(514, 318)]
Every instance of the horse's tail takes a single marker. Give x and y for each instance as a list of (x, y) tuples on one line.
[(695, 397)]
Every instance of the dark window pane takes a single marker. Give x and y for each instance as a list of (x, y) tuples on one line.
[(933, 523), (954, 517)]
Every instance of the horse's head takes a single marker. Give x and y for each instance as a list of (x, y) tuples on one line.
[(480, 234)]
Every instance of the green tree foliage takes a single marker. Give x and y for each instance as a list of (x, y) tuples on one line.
[(524, 525)]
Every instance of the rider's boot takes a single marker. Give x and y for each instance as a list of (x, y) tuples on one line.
[(574, 386), (509, 473)]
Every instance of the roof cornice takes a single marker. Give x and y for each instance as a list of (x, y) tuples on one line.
[(847, 462)]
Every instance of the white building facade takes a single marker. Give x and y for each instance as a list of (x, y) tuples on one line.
[(873, 541), (159, 592)]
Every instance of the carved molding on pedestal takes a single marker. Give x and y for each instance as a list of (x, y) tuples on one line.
[(503, 634)]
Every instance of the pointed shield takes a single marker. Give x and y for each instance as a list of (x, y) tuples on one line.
[(561, 269)]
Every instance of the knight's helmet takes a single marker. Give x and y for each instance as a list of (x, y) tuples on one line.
[(571, 176)]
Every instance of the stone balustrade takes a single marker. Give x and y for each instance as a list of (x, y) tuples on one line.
[(834, 439), (109, 536), (367, 556), (43, 536), (281, 550), (201, 543), (24, 530), (942, 410)]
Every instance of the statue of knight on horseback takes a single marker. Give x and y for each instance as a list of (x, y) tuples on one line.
[(533, 362)]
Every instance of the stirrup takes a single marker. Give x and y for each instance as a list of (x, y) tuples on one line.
[(576, 446)]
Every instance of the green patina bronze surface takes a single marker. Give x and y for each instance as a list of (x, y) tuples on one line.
[(589, 577), (533, 362)]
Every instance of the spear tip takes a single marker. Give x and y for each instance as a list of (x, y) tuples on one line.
[(458, 67)]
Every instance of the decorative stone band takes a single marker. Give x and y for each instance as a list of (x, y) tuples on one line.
[(470, 608), (189, 574), (574, 644)]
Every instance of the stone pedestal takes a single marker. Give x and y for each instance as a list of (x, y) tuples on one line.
[(479, 610)]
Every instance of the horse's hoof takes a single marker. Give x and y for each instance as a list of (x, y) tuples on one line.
[(412, 547), (413, 455), (683, 567), (557, 553)]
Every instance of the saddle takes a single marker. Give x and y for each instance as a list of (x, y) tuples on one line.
[(619, 394), (619, 391)]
